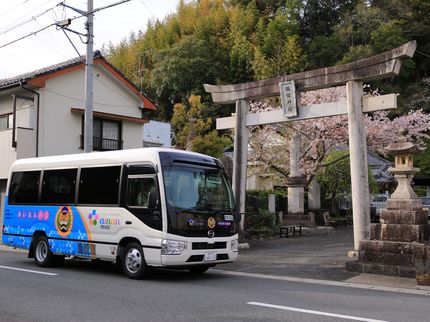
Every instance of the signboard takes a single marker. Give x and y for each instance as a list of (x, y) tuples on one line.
[(288, 98)]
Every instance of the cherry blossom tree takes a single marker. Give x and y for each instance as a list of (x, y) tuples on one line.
[(269, 144)]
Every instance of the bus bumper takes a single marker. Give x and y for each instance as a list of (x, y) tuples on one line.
[(204, 251)]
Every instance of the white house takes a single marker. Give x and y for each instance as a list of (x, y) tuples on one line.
[(41, 112), (157, 134)]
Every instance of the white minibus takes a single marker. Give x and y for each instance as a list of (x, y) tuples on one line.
[(142, 208)]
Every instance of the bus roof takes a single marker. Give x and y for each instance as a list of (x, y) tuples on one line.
[(97, 158)]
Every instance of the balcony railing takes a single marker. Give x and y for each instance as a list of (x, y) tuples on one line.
[(102, 144)]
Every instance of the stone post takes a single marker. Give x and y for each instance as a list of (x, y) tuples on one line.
[(314, 195), (359, 167), (296, 181), (272, 203), (240, 158)]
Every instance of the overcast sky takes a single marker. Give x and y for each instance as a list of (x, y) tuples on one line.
[(19, 18)]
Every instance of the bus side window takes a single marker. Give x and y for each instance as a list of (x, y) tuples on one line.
[(141, 192), (24, 187), (58, 186), (99, 185)]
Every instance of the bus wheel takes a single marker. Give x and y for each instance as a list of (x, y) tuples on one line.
[(42, 254), (133, 262), (199, 269)]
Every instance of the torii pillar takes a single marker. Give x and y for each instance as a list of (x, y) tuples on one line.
[(384, 65)]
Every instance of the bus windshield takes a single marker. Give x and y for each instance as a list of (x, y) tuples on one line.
[(195, 194), (197, 189)]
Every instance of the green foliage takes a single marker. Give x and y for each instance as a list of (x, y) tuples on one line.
[(325, 51), (179, 69), (335, 177), (356, 53), (235, 41), (257, 205), (203, 140), (422, 161), (387, 36), (211, 144)]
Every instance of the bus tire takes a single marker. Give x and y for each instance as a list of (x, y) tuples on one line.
[(133, 261), (43, 256), (199, 269)]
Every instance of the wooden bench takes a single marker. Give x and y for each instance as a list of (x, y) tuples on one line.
[(284, 231)]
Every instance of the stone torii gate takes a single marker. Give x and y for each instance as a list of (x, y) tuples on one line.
[(384, 65)]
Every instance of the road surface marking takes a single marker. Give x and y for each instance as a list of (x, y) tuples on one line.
[(326, 282), (296, 309), (27, 270)]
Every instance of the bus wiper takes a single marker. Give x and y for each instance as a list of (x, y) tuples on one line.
[(191, 209), (226, 209)]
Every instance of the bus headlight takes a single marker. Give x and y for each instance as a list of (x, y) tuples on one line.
[(173, 247), (235, 245)]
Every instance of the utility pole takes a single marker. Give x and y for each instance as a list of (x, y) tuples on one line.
[(89, 25), (88, 121)]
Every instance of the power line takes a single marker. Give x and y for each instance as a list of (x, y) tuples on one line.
[(57, 49), (83, 100), (26, 15), (27, 21), (54, 24), (147, 8), (424, 54), (13, 8), (28, 35)]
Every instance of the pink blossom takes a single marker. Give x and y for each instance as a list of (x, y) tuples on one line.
[(269, 144)]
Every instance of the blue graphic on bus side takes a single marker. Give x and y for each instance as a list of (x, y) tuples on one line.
[(63, 225)]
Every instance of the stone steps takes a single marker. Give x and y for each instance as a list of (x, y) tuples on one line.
[(382, 269), (385, 252)]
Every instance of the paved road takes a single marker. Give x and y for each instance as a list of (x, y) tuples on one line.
[(320, 256), (82, 291)]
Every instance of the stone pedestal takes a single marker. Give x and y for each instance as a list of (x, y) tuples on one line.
[(398, 245), (296, 195)]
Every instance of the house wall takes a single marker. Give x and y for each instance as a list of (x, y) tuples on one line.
[(25, 134), (157, 134), (8, 154), (26, 143), (60, 129), (132, 135)]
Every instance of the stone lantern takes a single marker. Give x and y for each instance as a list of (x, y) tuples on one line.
[(398, 245), (403, 171)]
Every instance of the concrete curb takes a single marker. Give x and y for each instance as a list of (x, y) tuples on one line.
[(12, 249)]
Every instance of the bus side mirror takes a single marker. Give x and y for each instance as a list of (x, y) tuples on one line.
[(237, 217)]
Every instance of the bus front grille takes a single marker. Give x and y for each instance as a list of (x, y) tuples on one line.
[(217, 245)]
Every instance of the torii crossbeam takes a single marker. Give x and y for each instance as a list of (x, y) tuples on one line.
[(384, 65)]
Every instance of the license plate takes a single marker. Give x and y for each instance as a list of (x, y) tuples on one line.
[(210, 257)]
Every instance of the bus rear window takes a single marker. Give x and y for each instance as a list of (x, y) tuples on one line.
[(24, 187)]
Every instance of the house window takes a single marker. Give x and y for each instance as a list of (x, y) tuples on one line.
[(5, 122), (106, 135)]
